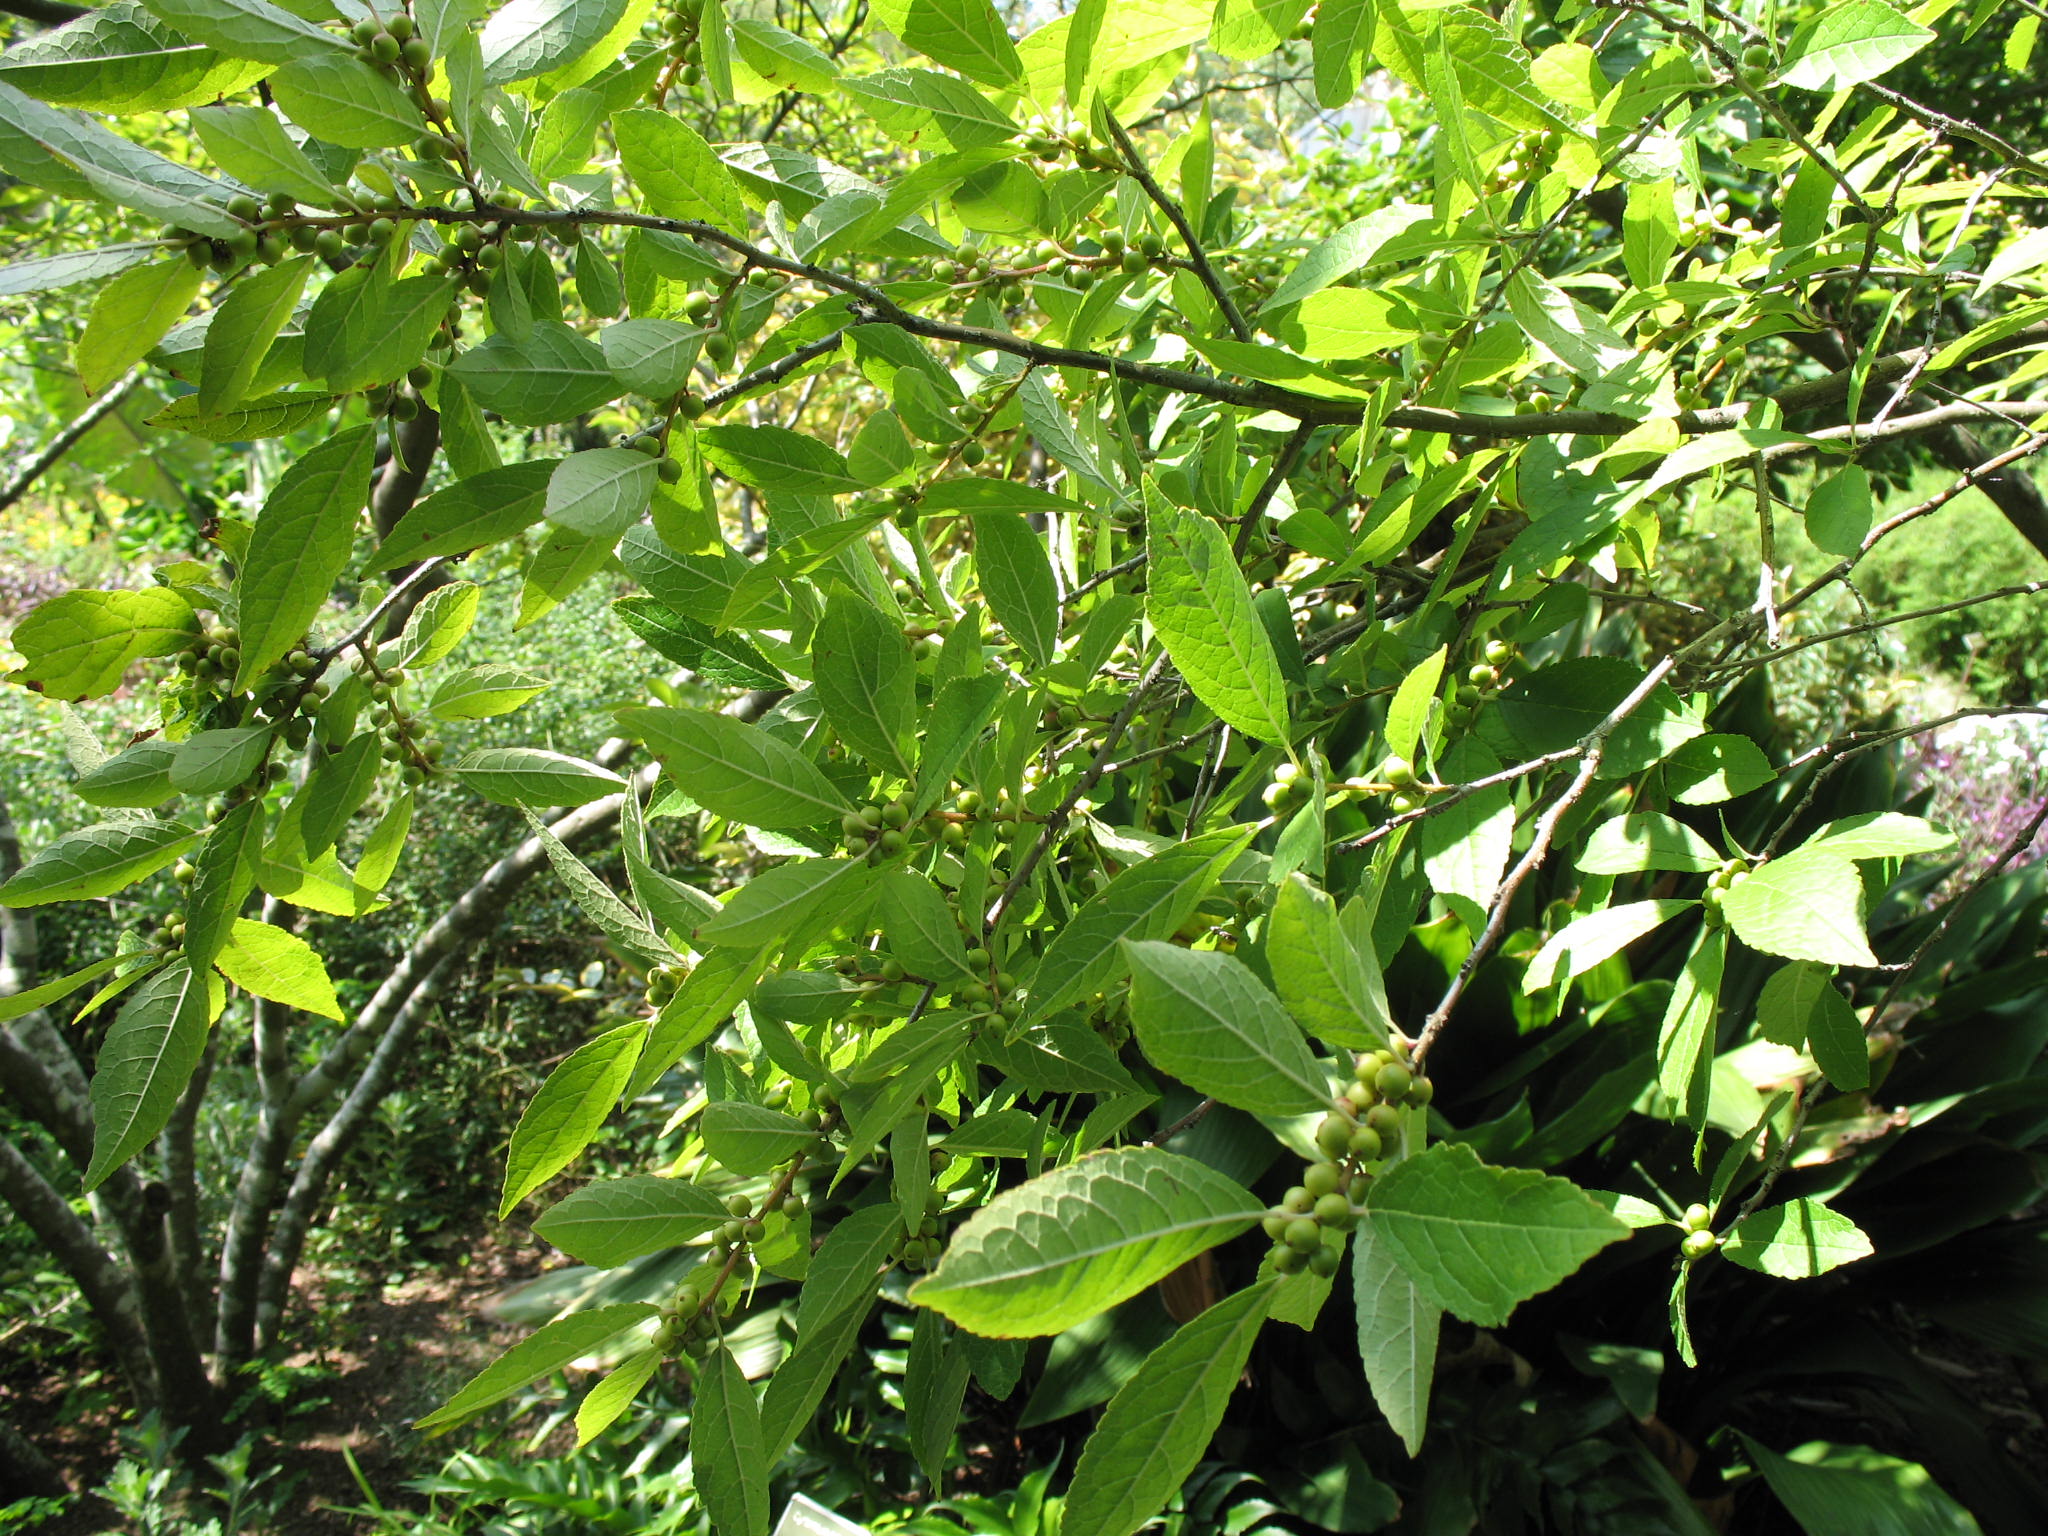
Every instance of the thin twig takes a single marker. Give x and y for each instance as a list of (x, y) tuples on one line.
[(1197, 257)]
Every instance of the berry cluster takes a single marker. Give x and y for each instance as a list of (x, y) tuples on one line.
[(919, 1247), (1524, 161), (662, 982), (405, 738), (1699, 1240), (675, 27)]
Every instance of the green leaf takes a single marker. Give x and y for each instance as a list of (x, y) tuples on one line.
[(651, 357), (336, 790), (77, 157), (1204, 1017), (1878, 835), (727, 1450), (550, 375), (800, 1383), (1199, 603), (1850, 1490), (301, 545), (676, 171), (149, 1055), (1646, 840), (721, 656), (534, 777), (1649, 231), (1839, 511), (1465, 849), (934, 1386), (134, 778), (249, 29), (212, 762), (927, 111), (96, 861), (532, 37), (568, 1111), (1478, 1241), (119, 58), (1800, 1007), (773, 906), (364, 329), (1147, 900), (80, 644), (1056, 1251), (130, 316), (921, 931), (749, 1139), (339, 99), (848, 1267), (1344, 323), (250, 144), (281, 966), (1713, 768), (1340, 44), (20, 1004), (224, 873), (1016, 577), (960, 710), (1590, 938), (1162, 1419), (964, 35), (245, 324), (770, 458), (1807, 905), (1685, 1036), (620, 923), (603, 1404), (866, 682), (1350, 248), (478, 693), (67, 269), (782, 58), (271, 416), (439, 624), (485, 509), (551, 1347), (615, 1221), (1795, 1241), (601, 492), (698, 1011), (1849, 43), (1397, 1333), (1326, 981), (1408, 711), (737, 770)]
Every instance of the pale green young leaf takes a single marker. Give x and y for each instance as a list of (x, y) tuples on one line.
[(1204, 1017), (603, 1404), (919, 108), (534, 777), (1340, 44), (484, 509), (1465, 849), (1646, 840), (964, 35), (1847, 44), (614, 1221), (1649, 231), (1397, 1333), (532, 37), (301, 545), (568, 1111), (250, 144), (244, 325), (1800, 1007), (478, 693), (738, 770), (1163, 1418), (1048, 1254), (1147, 900), (1250, 29), (1408, 711), (1327, 982), (1795, 1241), (1807, 905), (1199, 603), (780, 57), (96, 861), (269, 962), (727, 1450), (381, 849), (866, 682), (1477, 1241), (80, 644), (1593, 936), (129, 316), (1709, 769), (1878, 835), (148, 1056), (1017, 580), (551, 1347), (21, 1004)]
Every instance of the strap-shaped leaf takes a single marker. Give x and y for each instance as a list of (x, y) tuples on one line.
[(934, 1386), (301, 545), (621, 924), (1205, 1018), (1199, 603), (550, 1348), (611, 1397), (737, 770), (1046, 1255), (774, 905), (147, 1058), (1163, 1418), (533, 777), (568, 1110), (21, 1004)]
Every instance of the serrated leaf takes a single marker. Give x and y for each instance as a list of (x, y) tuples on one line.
[(336, 789), (620, 923), (119, 58), (130, 316), (1204, 1017), (249, 29), (965, 35), (224, 873), (921, 109), (269, 962), (484, 509), (601, 492), (548, 1349), (1334, 989), (1839, 510), (549, 375), (1795, 1241), (727, 1449), (919, 926), (750, 1139), (1162, 1419), (1199, 603), (1397, 1333), (1478, 1241), (771, 458), (96, 861), (1807, 905), (652, 357), (134, 778), (80, 644), (1069, 1244), (568, 1111), (1340, 44), (300, 547), (676, 171), (1685, 1035), (1017, 579), (1590, 938), (1849, 43), (614, 1221), (76, 156), (149, 1055), (866, 682), (531, 37), (339, 99), (244, 325), (1710, 769), (212, 762), (1147, 900), (270, 416), (1878, 835), (721, 656), (479, 693), (250, 144), (1646, 840), (737, 770), (774, 905)]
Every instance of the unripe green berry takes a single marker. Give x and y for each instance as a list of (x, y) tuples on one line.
[(1322, 1179), (1333, 1210), (1697, 1218), (1303, 1235), (1697, 1245)]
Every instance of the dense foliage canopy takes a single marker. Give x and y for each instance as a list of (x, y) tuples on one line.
[(1190, 772)]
